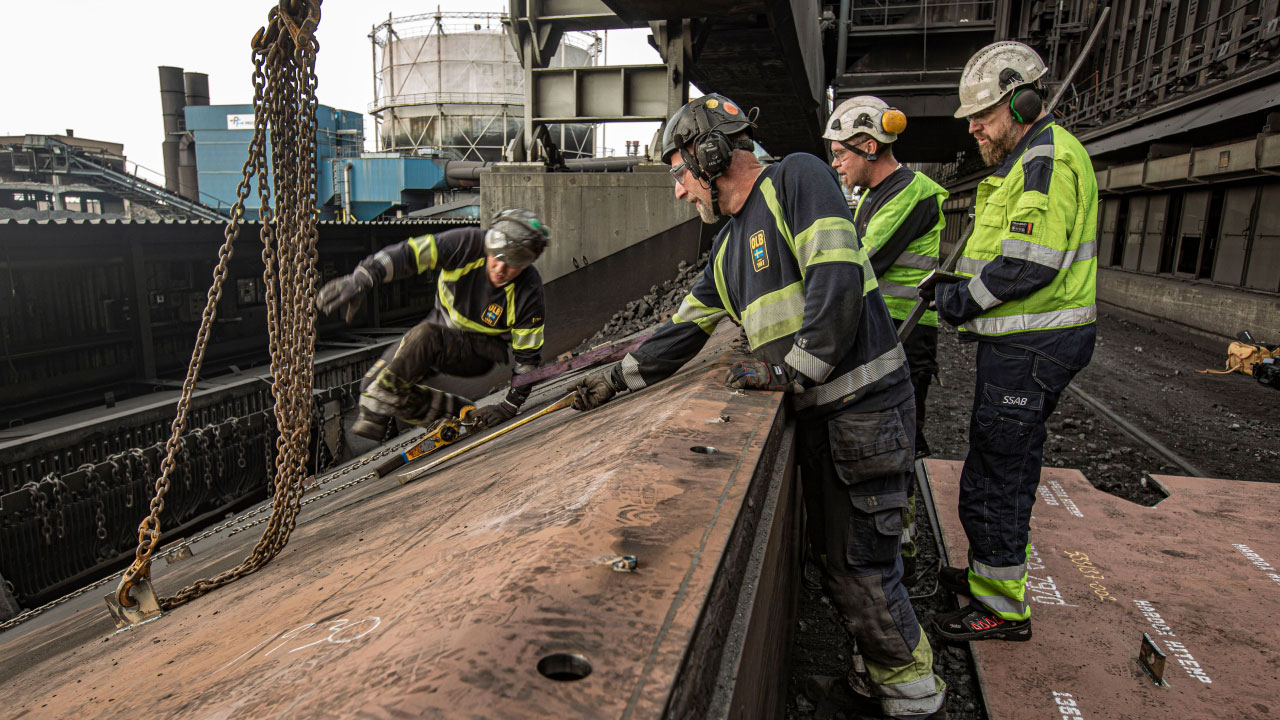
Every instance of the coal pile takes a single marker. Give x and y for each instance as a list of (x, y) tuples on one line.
[(659, 304)]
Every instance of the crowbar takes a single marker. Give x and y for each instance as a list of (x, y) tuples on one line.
[(562, 403)]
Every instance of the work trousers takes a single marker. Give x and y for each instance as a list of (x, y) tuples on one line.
[(855, 468), (393, 386), (1017, 390), (921, 347)]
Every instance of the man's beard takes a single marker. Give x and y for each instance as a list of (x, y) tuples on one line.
[(998, 148), (704, 212)]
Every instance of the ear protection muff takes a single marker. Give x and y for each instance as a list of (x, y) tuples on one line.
[(1025, 104), (712, 151)]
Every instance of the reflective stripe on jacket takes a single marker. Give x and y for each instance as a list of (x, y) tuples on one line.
[(899, 222), (789, 268), (1032, 255)]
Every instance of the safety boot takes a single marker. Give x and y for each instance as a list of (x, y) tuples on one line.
[(977, 623), (954, 579), (371, 425)]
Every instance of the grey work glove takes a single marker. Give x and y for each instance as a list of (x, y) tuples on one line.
[(488, 416), (759, 375), (347, 291), (593, 391)]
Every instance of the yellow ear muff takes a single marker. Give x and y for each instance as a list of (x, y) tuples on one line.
[(894, 121)]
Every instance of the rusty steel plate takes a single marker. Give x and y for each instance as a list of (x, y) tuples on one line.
[(1197, 573), (488, 589)]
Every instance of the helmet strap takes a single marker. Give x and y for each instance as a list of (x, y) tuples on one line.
[(869, 157)]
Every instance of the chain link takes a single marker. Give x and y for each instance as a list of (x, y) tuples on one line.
[(41, 503), (233, 523), (284, 103)]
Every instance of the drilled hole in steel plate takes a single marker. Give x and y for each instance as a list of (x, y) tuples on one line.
[(704, 449), (564, 667)]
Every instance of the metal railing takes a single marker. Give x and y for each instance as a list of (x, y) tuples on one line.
[(446, 98), (1205, 54)]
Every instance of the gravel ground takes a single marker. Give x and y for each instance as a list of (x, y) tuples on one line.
[(1143, 369)]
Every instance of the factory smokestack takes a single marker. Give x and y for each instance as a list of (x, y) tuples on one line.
[(173, 98)]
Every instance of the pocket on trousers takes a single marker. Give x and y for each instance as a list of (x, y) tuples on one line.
[(867, 446), (875, 528), (1053, 377), (1002, 430)]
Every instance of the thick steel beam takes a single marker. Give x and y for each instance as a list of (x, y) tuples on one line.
[(488, 588), (615, 93)]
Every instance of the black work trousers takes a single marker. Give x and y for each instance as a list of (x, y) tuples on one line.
[(392, 387), (1018, 387), (921, 347), (855, 469)]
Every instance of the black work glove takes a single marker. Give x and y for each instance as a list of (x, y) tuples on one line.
[(928, 287), (347, 291), (488, 416), (593, 391), (758, 375)]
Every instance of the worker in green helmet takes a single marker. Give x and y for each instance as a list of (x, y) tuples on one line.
[(489, 310)]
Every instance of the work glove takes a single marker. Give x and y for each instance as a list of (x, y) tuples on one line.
[(928, 287), (488, 416), (757, 375), (347, 291), (593, 391)]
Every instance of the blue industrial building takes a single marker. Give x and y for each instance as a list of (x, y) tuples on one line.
[(350, 184)]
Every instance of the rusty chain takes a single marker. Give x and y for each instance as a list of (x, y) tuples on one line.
[(233, 524), (284, 102)]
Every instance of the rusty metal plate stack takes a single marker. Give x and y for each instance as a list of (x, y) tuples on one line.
[(496, 587), (1197, 574)]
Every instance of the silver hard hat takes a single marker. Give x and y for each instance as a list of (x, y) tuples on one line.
[(993, 72)]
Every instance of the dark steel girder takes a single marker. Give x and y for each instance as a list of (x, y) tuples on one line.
[(760, 55)]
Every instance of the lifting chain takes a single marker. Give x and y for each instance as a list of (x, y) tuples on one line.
[(284, 103), (40, 502)]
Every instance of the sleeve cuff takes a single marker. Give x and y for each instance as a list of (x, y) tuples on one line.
[(808, 364)]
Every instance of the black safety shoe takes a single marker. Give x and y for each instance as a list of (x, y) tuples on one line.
[(975, 623), (954, 579), (371, 425), (910, 572)]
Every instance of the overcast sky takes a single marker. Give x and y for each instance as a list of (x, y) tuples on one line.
[(90, 65)]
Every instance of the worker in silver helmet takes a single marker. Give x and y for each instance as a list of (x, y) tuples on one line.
[(1027, 300), (489, 299)]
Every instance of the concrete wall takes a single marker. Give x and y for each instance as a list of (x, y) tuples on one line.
[(591, 215), (1212, 309)]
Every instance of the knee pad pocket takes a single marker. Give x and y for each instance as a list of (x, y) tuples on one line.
[(871, 446), (875, 528)]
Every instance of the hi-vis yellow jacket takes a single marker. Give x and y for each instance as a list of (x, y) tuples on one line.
[(1033, 255)]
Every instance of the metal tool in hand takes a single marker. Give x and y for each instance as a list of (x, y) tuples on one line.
[(445, 431), (917, 310), (561, 404)]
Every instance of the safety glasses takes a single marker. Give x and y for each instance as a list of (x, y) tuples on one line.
[(677, 172)]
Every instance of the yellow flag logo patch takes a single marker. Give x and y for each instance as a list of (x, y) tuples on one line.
[(759, 255), (491, 314)]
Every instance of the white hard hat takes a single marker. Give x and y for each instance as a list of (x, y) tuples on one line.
[(995, 70), (865, 114)]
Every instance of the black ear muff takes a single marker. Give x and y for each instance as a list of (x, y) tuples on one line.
[(1025, 105), (714, 153)]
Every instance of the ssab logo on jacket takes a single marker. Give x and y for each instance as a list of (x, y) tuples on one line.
[(759, 256), (491, 314)]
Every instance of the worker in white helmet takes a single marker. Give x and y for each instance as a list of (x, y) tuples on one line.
[(1029, 306)]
